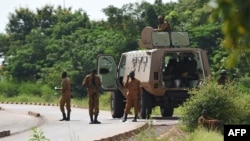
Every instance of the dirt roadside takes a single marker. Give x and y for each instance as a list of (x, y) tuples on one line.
[(160, 132)]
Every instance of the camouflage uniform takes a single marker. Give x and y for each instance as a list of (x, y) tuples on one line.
[(93, 82)]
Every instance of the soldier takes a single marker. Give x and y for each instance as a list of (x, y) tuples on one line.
[(93, 82), (163, 25), (66, 96), (223, 79), (133, 87), (207, 122)]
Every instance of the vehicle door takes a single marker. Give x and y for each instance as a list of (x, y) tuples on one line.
[(107, 70)]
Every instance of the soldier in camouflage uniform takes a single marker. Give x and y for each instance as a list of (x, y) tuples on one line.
[(133, 86), (92, 82)]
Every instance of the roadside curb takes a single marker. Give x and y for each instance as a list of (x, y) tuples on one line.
[(125, 134), (34, 114), (34, 103), (7, 132), (4, 133)]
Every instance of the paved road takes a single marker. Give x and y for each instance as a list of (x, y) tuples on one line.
[(15, 117)]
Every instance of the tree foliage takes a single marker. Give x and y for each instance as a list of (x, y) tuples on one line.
[(236, 27), (39, 45)]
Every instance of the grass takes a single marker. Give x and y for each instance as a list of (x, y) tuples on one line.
[(178, 133), (204, 135), (146, 135)]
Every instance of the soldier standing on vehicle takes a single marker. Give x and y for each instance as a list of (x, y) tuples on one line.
[(93, 82), (66, 96), (163, 25), (133, 87)]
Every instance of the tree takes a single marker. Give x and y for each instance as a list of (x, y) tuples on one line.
[(236, 26), (44, 43), (21, 23), (188, 14), (115, 16)]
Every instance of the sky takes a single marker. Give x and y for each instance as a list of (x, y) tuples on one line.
[(91, 7)]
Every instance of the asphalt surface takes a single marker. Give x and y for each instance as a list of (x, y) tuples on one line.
[(19, 119)]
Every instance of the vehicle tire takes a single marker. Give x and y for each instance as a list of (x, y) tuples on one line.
[(145, 105), (117, 104), (167, 110)]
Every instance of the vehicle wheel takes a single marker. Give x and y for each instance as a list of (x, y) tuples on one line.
[(167, 110), (145, 105), (117, 104)]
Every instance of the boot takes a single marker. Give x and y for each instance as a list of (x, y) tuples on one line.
[(91, 119), (135, 119), (68, 116), (64, 117), (95, 120), (125, 118)]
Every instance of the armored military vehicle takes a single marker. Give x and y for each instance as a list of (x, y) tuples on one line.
[(166, 67)]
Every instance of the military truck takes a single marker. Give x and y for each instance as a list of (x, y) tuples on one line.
[(166, 67)]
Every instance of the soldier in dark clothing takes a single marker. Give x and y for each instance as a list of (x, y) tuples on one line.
[(66, 96), (93, 82), (223, 79), (170, 72)]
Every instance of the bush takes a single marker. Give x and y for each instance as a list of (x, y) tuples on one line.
[(242, 106), (105, 100), (8, 89), (225, 103), (26, 91), (47, 93), (30, 89), (243, 84)]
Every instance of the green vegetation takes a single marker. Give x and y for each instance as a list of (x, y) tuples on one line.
[(39, 45), (26, 92), (236, 28), (146, 134), (177, 133), (37, 135), (38, 93), (204, 135), (228, 103)]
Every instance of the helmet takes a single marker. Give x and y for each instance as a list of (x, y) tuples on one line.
[(204, 112), (223, 72)]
